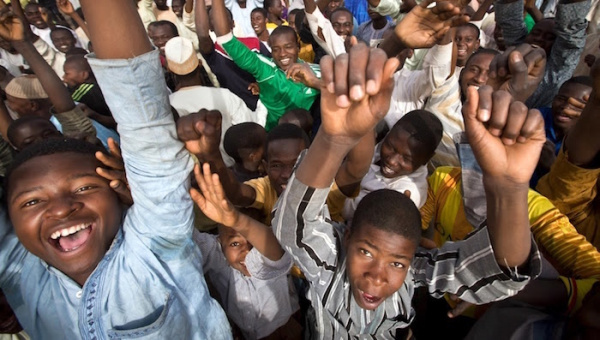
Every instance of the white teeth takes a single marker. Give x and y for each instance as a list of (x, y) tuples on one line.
[(386, 170), (68, 231)]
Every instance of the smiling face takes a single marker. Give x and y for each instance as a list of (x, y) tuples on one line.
[(32, 14), (401, 154), (63, 40), (565, 115), (259, 22), (177, 7), (342, 23), (65, 214), (33, 131), (281, 158), (235, 248), (160, 35), (284, 49), (377, 263), (542, 35), (466, 43), (475, 72)]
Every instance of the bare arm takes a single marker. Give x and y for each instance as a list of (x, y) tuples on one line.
[(215, 205), (356, 165), (205, 43), (5, 120), (219, 18), (310, 6), (66, 7), (483, 8)]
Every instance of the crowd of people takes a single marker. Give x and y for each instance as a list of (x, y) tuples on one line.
[(275, 169)]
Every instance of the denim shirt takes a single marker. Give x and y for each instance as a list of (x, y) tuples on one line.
[(150, 283)]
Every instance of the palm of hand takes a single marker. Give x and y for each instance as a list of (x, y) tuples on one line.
[(65, 6), (219, 211), (12, 29), (421, 28)]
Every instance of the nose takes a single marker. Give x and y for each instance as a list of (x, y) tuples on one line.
[(482, 78), (394, 160), (287, 172), (62, 207), (377, 274)]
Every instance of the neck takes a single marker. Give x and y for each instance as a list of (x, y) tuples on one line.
[(242, 4), (274, 19), (196, 81), (242, 169), (264, 36)]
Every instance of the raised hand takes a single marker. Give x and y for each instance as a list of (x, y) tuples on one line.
[(65, 6), (428, 23), (505, 136), (114, 171), (11, 28), (519, 70), (201, 133), (212, 200), (356, 91)]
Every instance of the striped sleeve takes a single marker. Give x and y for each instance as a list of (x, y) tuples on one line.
[(469, 269), (303, 227)]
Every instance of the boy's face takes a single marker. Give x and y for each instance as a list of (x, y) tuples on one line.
[(333, 5), (32, 13), (565, 115), (475, 72), (281, 158), (276, 9), (177, 7), (65, 214), (259, 23), (284, 50), (235, 248), (33, 132), (542, 35), (401, 154), (63, 40), (466, 42), (73, 76), (342, 24), (291, 21), (160, 35), (377, 263)]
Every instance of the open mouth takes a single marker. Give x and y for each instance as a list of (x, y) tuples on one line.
[(71, 238), (563, 118), (461, 51), (369, 299), (386, 170), (284, 61)]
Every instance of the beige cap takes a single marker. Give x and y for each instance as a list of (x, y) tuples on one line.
[(26, 87), (181, 56)]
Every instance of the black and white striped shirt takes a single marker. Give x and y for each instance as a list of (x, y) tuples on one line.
[(467, 268)]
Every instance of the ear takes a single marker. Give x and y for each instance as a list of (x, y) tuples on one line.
[(477, 44), (85, 75)]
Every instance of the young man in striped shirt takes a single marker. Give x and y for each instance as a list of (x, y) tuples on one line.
[(362, 281)]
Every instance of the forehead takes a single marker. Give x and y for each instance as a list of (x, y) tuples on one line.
[(56, 167), (227, 234), (61, 34), (282, 39), (403, 141), (387, 243), (481, 60), (574, 90), (285, 149), (32, 8), (257, 14), (161, 30), (466, 31), (35, 126), (341, 16)]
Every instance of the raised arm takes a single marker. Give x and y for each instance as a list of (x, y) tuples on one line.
[(205, 43), (66, 7), (506, 139), (219, 18), (214, 205)]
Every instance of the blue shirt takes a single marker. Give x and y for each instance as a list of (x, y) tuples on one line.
[(549, 127), (150, 283)]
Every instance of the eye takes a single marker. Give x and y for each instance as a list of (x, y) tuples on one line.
[(85, 188), (365, 252), (234, 244), (397, 265), (30, 203)]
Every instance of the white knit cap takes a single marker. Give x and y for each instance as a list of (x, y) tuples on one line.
[(181, 56), (26, 87)]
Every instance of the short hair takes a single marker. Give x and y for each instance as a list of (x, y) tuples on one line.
[(423, 126), (304, 118), (582, 80), (76, 51), (226, 10), (341, 9), (47, 147), (390, 211), (287, 131), (248, 135), (159, 23), (471, 26), (11, 132), (260, 10), (482, 51), (269, 3), (281, 30), (79, 62), (295, 11)]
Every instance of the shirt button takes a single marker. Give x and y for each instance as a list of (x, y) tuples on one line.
[(79, 294)]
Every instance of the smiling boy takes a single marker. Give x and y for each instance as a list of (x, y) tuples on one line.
[(76, 265)]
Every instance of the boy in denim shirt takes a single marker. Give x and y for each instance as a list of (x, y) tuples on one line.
[(77, 265)]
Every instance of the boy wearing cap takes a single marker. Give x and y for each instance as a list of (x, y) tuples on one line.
[(183, 62)]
